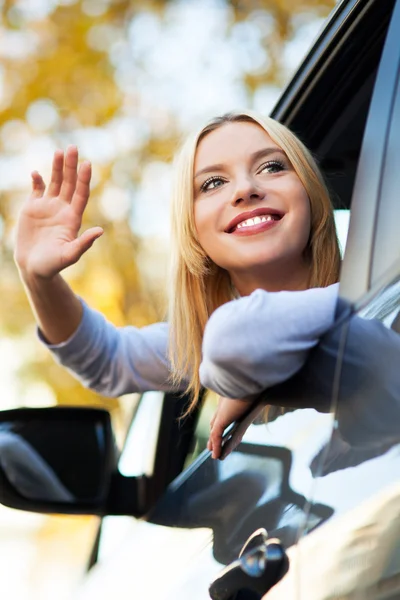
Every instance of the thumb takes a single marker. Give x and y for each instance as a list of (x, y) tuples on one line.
[(75, 249)]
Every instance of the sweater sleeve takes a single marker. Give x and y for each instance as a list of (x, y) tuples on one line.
[(258, 341), (114, 361)]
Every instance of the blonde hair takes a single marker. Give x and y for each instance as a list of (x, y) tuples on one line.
[(198, 285)]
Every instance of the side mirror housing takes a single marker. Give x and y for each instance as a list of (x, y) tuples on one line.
[(64, 460)]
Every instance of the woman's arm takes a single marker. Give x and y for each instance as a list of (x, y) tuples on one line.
[(109, 360), (114, 361), (261, 340), (57, 310)]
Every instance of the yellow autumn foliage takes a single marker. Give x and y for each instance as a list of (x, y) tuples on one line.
[(65, 57)]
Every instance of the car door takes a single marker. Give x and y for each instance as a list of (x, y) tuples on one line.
[(359, 474), (356, 552)]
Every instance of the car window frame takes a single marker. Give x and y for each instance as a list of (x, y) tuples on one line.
[(387, 236), (363, 263), (323, 52)]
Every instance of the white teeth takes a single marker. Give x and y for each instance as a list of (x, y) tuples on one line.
[(247, 223), (255, 221)]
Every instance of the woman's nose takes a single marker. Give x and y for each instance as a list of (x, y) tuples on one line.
[(246, 191)]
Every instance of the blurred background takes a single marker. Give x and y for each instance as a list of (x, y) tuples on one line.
[(125, 81)]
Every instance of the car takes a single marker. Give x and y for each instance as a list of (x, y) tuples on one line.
[(308, 504)]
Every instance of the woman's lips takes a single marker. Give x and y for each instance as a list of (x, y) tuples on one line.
[(261, 213), (258, 228)]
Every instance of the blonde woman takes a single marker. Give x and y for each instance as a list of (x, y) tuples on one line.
[(254, 256)]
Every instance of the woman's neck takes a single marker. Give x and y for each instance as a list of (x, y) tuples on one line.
[(280, 280)]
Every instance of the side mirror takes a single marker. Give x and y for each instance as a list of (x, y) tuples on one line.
[(64, 460)]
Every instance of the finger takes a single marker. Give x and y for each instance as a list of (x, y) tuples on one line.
[(70, 174), (38, 185), (82, 190), (56, 174), (212, 420), (75, 249), (216, 439)]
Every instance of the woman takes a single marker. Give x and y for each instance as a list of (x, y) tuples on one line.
[(252, 232)]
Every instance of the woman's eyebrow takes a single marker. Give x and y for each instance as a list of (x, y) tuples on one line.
[(263, 153), (210, 169), (266, 152)]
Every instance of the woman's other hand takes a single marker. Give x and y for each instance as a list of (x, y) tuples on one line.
[(48, 239), (228, 411)]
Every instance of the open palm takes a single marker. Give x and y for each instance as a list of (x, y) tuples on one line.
[(48, 237)]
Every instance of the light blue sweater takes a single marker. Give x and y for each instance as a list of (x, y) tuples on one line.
[(249, 345)]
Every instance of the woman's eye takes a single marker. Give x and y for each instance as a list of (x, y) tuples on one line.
[(272, 166), (212, 183)]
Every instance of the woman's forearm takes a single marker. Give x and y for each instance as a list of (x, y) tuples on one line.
[(57, 310)]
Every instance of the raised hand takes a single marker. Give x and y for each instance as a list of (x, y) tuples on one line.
[(48, 239)]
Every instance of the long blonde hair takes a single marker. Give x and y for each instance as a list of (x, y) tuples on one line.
[(198, 285)]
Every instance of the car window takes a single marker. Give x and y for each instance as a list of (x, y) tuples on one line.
[(202, 431), (342, 220), (137, 458), (139, 449)]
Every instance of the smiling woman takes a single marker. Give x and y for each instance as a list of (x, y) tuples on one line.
[(251, 217), (237, 164)]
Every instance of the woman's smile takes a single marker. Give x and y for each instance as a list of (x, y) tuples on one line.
[(255, 221)]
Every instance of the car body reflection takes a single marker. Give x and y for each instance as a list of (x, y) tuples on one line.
[(27, 471)]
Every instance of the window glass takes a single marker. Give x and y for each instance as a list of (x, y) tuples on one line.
[(202, 431), (140, 446), (137, 459), (342, 220)]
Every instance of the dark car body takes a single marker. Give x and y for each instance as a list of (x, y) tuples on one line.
[(323, 477)]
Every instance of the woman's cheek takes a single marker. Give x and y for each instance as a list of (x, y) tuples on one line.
[(303, 220), (202, 224)]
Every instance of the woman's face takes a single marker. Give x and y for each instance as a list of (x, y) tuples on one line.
[(252, 213)]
